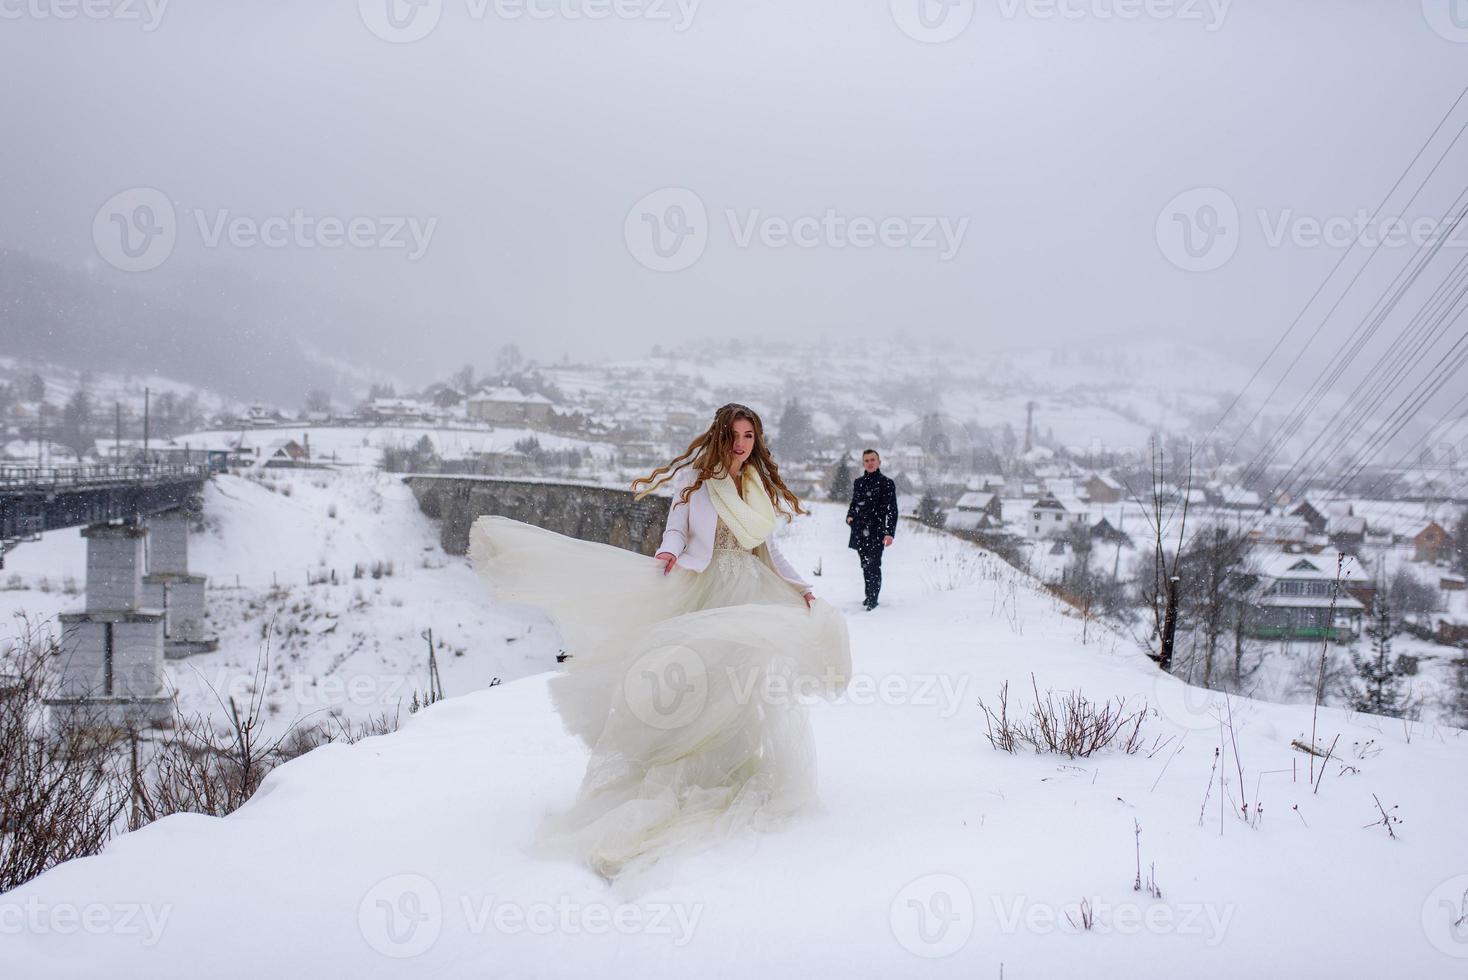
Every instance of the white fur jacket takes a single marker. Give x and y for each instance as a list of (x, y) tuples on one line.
[(690, 534)]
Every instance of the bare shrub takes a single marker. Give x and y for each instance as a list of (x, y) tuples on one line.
[(60, 794), (1067, 724)]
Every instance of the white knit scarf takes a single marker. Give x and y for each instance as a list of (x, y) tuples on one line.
[(750, 519)]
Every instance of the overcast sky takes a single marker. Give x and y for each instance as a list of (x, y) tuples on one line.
[(999, 172)]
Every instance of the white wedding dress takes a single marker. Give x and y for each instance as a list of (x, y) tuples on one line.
[(689, 689)]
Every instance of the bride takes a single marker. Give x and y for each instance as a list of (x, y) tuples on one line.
[(685, 673)]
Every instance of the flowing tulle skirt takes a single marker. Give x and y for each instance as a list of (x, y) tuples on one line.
[(688, 688)]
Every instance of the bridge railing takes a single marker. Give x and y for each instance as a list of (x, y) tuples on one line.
[(62, 477)]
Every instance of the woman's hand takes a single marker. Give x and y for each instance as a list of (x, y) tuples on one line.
[(809, 598), (668, 559)]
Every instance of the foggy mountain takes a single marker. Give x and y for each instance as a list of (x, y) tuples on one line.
[(223, 330)]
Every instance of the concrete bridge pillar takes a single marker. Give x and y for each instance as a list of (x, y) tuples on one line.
[(169, 586), (112, 651)]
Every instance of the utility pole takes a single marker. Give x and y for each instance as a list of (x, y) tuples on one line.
[(146, 397), (117, 439)]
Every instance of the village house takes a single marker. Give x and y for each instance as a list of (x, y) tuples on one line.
[(288, 453), (1103, 489), (1052, 517), (509, 406), (1284, 530), (1293, 599), (1311, 515), (981, 502), (975, 511), (1347, 532), (398, 411), (1104, 531), (1432, 544)]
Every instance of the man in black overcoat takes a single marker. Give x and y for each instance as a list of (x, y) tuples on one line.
[(873, 519)]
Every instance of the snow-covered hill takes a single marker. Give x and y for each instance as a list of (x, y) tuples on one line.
[(935, 854)]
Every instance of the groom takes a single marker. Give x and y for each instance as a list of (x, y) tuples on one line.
[(873, 519)]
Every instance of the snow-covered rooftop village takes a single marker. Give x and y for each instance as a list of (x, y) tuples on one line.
[(1128, 423)]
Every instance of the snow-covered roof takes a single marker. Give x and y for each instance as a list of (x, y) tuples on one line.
[(974, 500), (1345, 525), (1277, 565), (511, 395), (966, 520), (1239, 497)]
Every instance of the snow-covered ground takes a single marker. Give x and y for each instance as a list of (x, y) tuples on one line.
[(935, 854), (353, 647)]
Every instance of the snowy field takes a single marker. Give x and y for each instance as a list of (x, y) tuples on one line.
[(406, 855)]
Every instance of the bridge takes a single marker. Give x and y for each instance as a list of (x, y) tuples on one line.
[(36, 499), (142, 603)]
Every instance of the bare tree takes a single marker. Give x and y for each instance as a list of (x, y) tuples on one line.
[(1160, 593)]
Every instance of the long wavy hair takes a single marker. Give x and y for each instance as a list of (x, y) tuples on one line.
[(709, 453)]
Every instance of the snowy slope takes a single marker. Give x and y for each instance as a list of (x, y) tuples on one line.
[(406, 854)]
